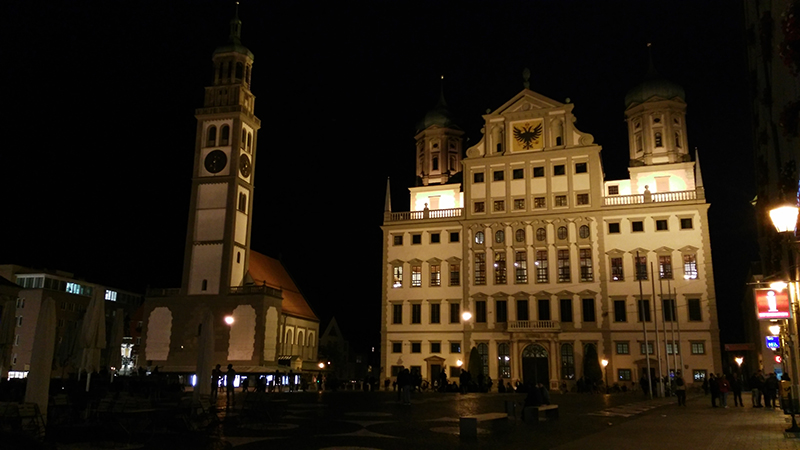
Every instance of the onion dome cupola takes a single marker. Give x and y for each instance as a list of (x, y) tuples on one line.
[(439, 143), (655, 112), (233, 65)]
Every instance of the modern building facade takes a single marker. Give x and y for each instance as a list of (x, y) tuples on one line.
[(547, 255), (272, 324), (71, 297)]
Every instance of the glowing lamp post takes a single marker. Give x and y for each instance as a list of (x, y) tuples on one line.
[(785, 220), (321, 365), (775, 330), (466, 315), (605, 369), (229, 320)]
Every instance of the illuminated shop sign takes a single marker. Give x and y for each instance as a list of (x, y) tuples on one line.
[(772, 304), (773, 342)]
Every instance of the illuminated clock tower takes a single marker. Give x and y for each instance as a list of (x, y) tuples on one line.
[(220, 212)]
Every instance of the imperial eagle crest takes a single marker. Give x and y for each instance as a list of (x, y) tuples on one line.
[(527, 135)]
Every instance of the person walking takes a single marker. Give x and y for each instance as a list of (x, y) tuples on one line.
[(724, 388), (713, 387), (771, 391), (736, 388), (680, 389), (404, 383), (230, 375)]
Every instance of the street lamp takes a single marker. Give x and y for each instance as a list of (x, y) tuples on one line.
[(739, 360), (466, 315), (785, 220), (229, 320), (605, 369)]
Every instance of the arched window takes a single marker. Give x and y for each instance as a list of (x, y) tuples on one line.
[(479, 237), (249, 141), (500, 236), (519, 236), (583, 231), (435, 163), (541, 234), (677, 139), (659, 141), (503, 361), (211, 136), (239, 71), (301, 341), (452, 166), (224, 135), (289, 337), (562, 232), (567, 362), (483, 350), (244, 138)]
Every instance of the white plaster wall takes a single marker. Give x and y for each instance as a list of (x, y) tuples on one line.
[(205, 265), (271, 334), (210, 224), (242, 333), (212, 195), (159, 331)]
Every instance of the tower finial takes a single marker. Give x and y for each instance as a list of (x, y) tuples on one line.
[(526, 76), (236, 27), (651, 68)]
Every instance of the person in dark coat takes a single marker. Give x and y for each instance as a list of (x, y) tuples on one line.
[(756, 383), (771, 391), (736, 388), (713, 386)]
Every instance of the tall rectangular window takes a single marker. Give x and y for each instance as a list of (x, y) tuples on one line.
[(641, 267), (669, 310), (397, 272), (480, 311), (416, 313), (695, 313), (588, 310), (543, 306), (503, 361), (242, 206), (416, 276), (397, 313), (541, 266), (436, 275), (644, 310), (521, 266), (435, 312), (587, 271), (480, 269), (619, 311), (522, 310), (455, 312), (566, 309), (500, 267), (665, 267), (563, 266), (690, 267), (455, 274), (501, 312), (617, 274)]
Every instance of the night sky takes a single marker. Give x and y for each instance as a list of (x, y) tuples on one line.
[(99, 100)]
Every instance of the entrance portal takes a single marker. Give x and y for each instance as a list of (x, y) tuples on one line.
[(535, 365)]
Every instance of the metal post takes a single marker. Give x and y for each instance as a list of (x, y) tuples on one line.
[(787, 247), (658, 335), (644, 326), (664, 325), (680, 351), (672, 327)]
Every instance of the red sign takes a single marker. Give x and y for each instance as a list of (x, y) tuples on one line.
[(773, 304)]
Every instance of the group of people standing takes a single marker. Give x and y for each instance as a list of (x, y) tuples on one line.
[(720, 385)]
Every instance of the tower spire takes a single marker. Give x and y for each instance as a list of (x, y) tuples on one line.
[(387, 204), (236, 27), (698, 176)]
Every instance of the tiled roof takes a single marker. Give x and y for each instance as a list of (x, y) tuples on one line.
[(270, 271)]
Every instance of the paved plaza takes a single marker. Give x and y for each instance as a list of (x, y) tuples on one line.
[(376, 420)]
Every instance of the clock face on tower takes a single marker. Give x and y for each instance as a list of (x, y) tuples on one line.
[(216, 161), (244, 165)]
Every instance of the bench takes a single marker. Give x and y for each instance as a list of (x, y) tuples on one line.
[(468, 425), (531, 413)]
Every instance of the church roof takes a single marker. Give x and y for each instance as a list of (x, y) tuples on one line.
[(270, 271)]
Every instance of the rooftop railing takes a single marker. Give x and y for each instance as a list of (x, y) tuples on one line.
[(534, 325)]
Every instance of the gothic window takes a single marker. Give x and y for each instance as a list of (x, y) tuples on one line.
[(211, 137), (224, 135)]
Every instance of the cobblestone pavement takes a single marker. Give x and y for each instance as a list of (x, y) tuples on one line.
[(619, 421)]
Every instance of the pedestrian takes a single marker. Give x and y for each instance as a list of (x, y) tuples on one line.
[(680, 389), (705, 386), (724, 388), (404, 382), (216, 374), (713, 387), (245, 383), (230, 375), (291, 380), (736, 388), (755, 389), (771, 390)]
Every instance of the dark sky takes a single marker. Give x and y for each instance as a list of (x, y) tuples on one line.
[(99, 132)]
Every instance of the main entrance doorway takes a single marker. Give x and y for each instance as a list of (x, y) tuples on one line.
[(535, 365)]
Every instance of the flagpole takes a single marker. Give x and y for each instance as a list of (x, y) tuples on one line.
[(664, 323), (672, 326), (644, 327), (655, 324), (679, 332)]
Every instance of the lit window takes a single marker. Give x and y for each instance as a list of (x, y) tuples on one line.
[(665, 267), (649, 349), (617, 274), (111, 295), (519, 203), (500, 268), (641, 267), (561, 200), (480, 268), (436, 275), (479, 237), (698, 348), (539, 203), (503, 361), (622, 348), (541, 266), (521, 266), (455, 274), (416, 276), (659, 140), (563, 266), (397, 272), (587, 271), (690, 267)]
